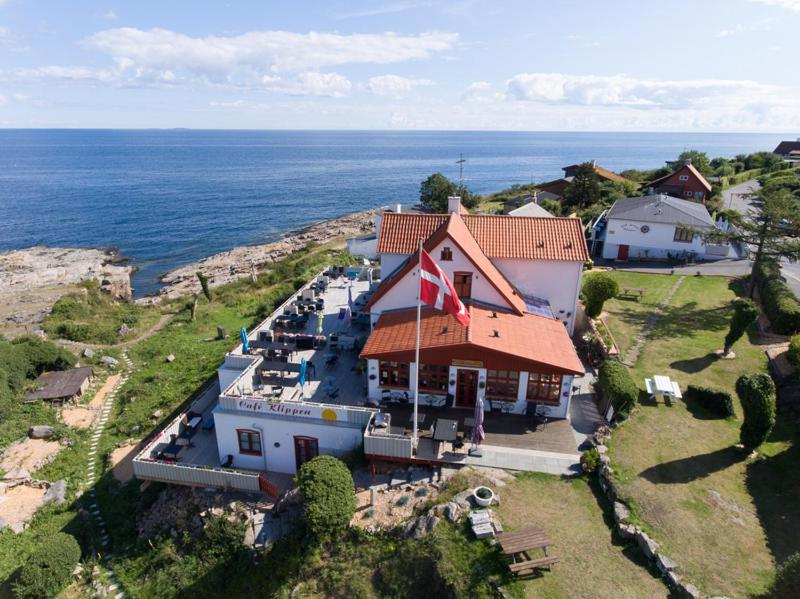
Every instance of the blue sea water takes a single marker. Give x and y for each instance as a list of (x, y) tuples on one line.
[(169, 197)]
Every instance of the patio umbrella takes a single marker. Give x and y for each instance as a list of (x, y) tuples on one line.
[(350, 305), (477, 429), (245, 344), (303, 367)]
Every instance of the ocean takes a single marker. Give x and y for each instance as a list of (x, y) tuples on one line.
[(170, 197)]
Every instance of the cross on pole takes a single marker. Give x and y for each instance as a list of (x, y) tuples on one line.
[(460, 162)]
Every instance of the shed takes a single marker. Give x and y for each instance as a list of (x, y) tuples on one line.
[(60, 386)]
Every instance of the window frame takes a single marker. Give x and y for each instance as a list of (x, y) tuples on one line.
[(398, 369), (499, 382), (683, 177), (434, 373), (446, 255), (549, 383), (250, 435), (680, 235), (688, 194), (460, 286)]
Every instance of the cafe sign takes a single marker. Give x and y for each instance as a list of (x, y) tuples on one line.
[(293, 410), (468, 363)]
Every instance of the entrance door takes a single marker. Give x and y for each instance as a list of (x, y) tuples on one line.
[(622, 252), (466, 388), (305, 449)]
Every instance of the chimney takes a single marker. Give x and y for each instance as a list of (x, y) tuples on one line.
[(454, 204), (688, 161), (399, 208), (594, 163)]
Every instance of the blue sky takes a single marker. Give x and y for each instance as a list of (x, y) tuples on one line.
[(702, 65)]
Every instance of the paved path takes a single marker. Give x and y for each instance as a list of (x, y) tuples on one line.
[(720, 268), (633, 353), (90, 502)]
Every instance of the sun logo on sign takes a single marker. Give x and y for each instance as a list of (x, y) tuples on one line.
[(328, 414)]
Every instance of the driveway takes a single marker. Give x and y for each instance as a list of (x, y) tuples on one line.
[(722, 268)]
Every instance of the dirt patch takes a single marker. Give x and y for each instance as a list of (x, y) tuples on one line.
[(30, 454), (392, 506), (78, 417), (19, 504), (102, 392), (122, 461)]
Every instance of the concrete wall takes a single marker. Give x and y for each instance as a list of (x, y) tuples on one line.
[(334, 439), (390, 263), (657, 242)]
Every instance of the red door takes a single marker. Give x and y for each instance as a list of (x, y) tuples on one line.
[(305, 449), (466, 388), (622, 252)]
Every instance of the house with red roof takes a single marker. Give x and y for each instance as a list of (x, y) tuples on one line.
[(519, 278), (558, 186), (686, 183)]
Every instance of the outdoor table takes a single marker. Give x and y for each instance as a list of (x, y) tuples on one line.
[(446, 430), (420, 418), (662, 386), (194, 422), (522, 541)]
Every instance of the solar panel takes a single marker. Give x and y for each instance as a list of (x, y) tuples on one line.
[(538, 306)]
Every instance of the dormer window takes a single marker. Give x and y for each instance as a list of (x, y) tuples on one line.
[(684, 177), (447, 254)]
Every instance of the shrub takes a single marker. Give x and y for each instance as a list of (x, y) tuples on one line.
[(745, 313), (329, 493), (403, 500), (787, 579), (421, 492), (597, 288), (780, 305), (204, 285), (718, 402), (793, 354), (616, 383), (757, 394), (49, 568), (590, 460)]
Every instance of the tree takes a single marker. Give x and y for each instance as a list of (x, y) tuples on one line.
[(757, 394), (434, 191), (699, 161), (773, 232), (787, 579), (745, 313), (330, 500), (204, 285), (191, 305), (49, 568), (584, 190), (597, 288)]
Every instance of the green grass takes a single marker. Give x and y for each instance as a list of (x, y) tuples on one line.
[(708, 506)]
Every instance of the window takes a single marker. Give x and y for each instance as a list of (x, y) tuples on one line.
[(394, 374), (447, 254), (684, 177), (462, 281), (544, 388), (683, 235), (249, 442), (502, 384), (433, 378), (688, 194)]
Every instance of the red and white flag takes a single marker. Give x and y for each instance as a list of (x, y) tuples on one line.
[(436, 290)]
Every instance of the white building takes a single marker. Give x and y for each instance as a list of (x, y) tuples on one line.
[(658, 227)]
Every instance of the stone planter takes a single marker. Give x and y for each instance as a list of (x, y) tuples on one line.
[(483, 496)]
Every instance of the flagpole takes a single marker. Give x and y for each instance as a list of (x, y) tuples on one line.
[(416, 354)]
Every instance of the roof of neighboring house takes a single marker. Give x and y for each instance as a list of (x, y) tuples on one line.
[(498, 235), (603, 172), (59, 384), (660, 208), (530, 209), (786, 147), (690, 167), (454, 228), (394, 337)]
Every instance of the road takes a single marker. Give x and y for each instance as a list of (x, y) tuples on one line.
[(740, 198)]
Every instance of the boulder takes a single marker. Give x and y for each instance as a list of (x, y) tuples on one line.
[(464, 499), (430, 522), (626, 531), (157, 414), (41, 431), (88, 352), (665, 564), (56, 493), (17, 527), (648, 546), (673, 579), (124, 330), (170, 358), (17, 474), (109, 361), (451, 511), (689, 591), (621, 512)]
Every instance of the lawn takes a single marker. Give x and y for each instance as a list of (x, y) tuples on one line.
[(723, 518), (627, 317), (575, 516)]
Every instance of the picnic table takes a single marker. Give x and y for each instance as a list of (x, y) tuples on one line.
[(635, 292), (520, 542), (662, 387)]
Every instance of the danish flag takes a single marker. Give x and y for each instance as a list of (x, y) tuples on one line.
[(436, 290)]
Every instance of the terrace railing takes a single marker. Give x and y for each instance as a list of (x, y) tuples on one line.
[(386, 444)]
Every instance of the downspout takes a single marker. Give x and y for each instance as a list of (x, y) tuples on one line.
[(263, 445)]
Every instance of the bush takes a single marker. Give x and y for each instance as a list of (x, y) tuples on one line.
[(745, 313), (597, 288), (590, 460), (49, 568), (757, 394), (780, 305), (329, 493), (616, 383), (793, 354), (718, 402), (787, 579)]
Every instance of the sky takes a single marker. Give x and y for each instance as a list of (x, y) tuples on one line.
[(565, 65)]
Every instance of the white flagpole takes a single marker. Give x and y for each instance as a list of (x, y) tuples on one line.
[(416, 355)]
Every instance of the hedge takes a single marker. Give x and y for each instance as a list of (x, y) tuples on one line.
[(780, 304), (794, 351), (787, 579), (757, 394), (616, 383), (49, 568), (718, 402), (329, 493)]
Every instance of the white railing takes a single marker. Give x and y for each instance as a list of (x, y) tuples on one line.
[(188, 474), (386, 444)]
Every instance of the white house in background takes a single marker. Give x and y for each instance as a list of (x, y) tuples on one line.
[(367, 245), (519, 277), (658, 227), (530, 209)]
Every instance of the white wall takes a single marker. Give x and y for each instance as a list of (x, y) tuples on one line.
[(657, 242), (333, 439), (390, 263), (557, 281)]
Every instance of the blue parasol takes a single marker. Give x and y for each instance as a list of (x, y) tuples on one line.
[(303, 367), (245, 344)]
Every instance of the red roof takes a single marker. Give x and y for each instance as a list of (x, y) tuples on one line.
[(498, 339), (454, 228), (691, 168), (498, 236)]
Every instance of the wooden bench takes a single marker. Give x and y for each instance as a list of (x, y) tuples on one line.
[(533, 564), (634, 292)]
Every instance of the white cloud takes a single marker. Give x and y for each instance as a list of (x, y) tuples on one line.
[(790, 4), (262, 51), (477, 90), (394, 86), (67, 73), (385, 9), (312, 83)]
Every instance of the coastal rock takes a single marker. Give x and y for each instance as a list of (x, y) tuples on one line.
[(621, 512), (648, 546), (88, 352), (41, 432), (56, 493), (452, 511), (665, 564), (109, 361)]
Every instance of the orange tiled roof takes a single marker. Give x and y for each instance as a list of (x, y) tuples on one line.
[(498, 236), (528, 340)]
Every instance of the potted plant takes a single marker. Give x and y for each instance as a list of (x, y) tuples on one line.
[(483, 496)]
